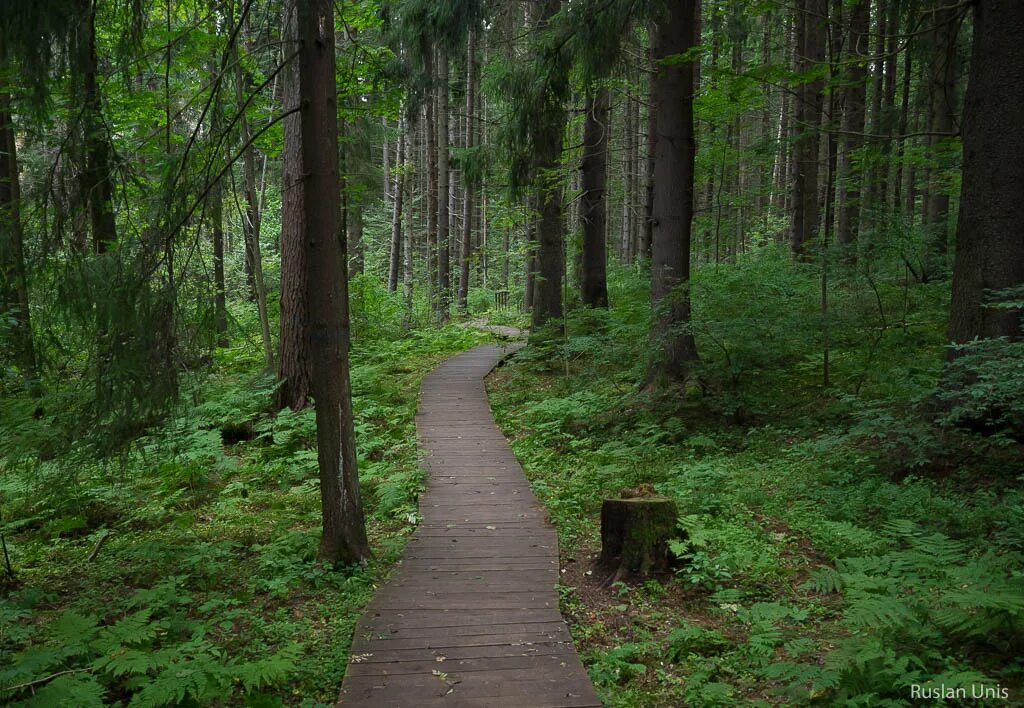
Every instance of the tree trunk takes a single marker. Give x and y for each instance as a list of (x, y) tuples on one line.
[(96, 183), (811, 22), (673, 197), (251, 219), (530, 256), (652, 140), (941, 122), (14, 301), (344, 533), (550, 127), (901, 129), (469, 200), (398, 187), (430, 127), (444, 177), (294, 368), (593, 181), (220, 316), (853, 124), (989, 247), (629, 133)]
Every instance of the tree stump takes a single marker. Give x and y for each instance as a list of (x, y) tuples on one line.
[(635, 534)]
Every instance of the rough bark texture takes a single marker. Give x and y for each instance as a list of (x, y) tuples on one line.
[(398, 188), (941, 123), (989, 245), (628, 155), (14, 301), (220, 313), (811, 22), (635, 535), (593, 214), (444, 177), (96, 185), (674, 347), (550, 127), (430, 127), (294, 369), (652, 140), (469, 201), (853, 123), (344, 532)]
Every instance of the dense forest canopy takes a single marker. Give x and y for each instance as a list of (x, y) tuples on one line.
[(771, 259)]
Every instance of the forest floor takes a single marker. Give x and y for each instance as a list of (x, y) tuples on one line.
[(837, 544), (205, 589), (803, 574), (834, 547)]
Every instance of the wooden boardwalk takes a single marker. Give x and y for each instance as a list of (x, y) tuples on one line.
[(470, 617)]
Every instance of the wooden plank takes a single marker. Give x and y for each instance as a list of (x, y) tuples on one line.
[(470, 617)]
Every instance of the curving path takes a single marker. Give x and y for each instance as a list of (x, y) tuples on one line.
[(470, 617)]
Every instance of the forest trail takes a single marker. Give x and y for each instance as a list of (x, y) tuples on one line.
[(470, 616)]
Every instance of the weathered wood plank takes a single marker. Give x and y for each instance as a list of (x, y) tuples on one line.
[(470, 616)]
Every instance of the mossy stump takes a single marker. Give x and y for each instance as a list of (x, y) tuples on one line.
[(635, 534)]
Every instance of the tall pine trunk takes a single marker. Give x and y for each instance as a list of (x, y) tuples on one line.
[(430, 127), (674, 346), (398, 188), (344, 531), (14, 301), (989, 248), (942, 42), (294, 370), (551, 121), (652, 139), (853, 123), (593, 214), (811, 21), (469, 201), (251, 218), (444, 180)]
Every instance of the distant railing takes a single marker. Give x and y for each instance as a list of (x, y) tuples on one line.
[(501, 300)]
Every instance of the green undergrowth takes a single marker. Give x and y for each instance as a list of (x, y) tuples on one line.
[(182, 571), (835, 546)]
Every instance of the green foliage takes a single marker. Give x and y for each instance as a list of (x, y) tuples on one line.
[(205, 588), (820, 555)]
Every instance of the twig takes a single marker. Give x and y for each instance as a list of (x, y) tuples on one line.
[(29, 684), (99, 544)]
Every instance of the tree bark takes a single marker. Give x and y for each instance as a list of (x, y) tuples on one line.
[(96, 183), (853, 124), (430, 127), (14, 296), (593, 214), (944, 20), (673, 198), (398, 188), (811, 22), (294, 370), (469, 202), (550, 127), (444, 178), (989, 247), (344, 538), (251, 219), (652, 140)]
